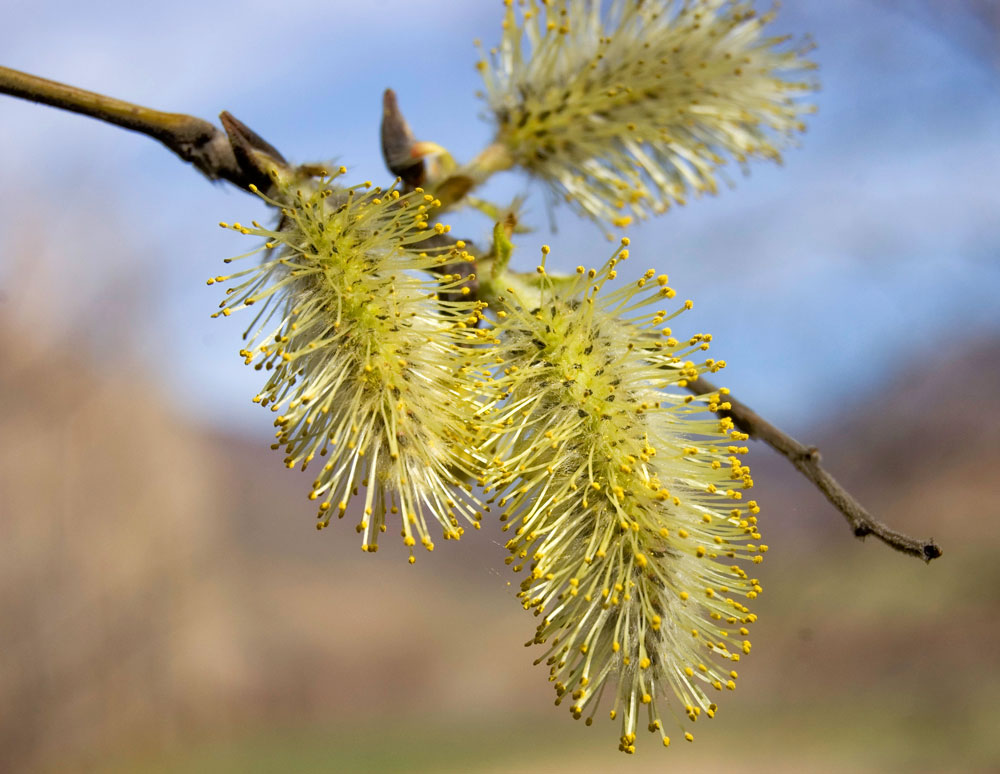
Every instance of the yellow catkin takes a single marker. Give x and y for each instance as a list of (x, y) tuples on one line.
[(365, 361), (627, 109), (588, 430)]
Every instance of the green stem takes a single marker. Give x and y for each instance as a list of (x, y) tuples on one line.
[(171, 129)]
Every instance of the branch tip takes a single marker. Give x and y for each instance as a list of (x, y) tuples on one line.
[(806, 460)]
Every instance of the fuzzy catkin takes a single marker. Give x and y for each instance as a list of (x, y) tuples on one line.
[(369, 369), (624, 110), (625, 498)]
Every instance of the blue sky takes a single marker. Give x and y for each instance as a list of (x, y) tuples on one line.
[(874, 245)]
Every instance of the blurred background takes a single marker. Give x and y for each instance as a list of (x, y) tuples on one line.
[(166, 604)]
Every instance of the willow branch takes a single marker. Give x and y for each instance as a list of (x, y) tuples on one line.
[(238, 155), (806, 460), (242, 157)]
